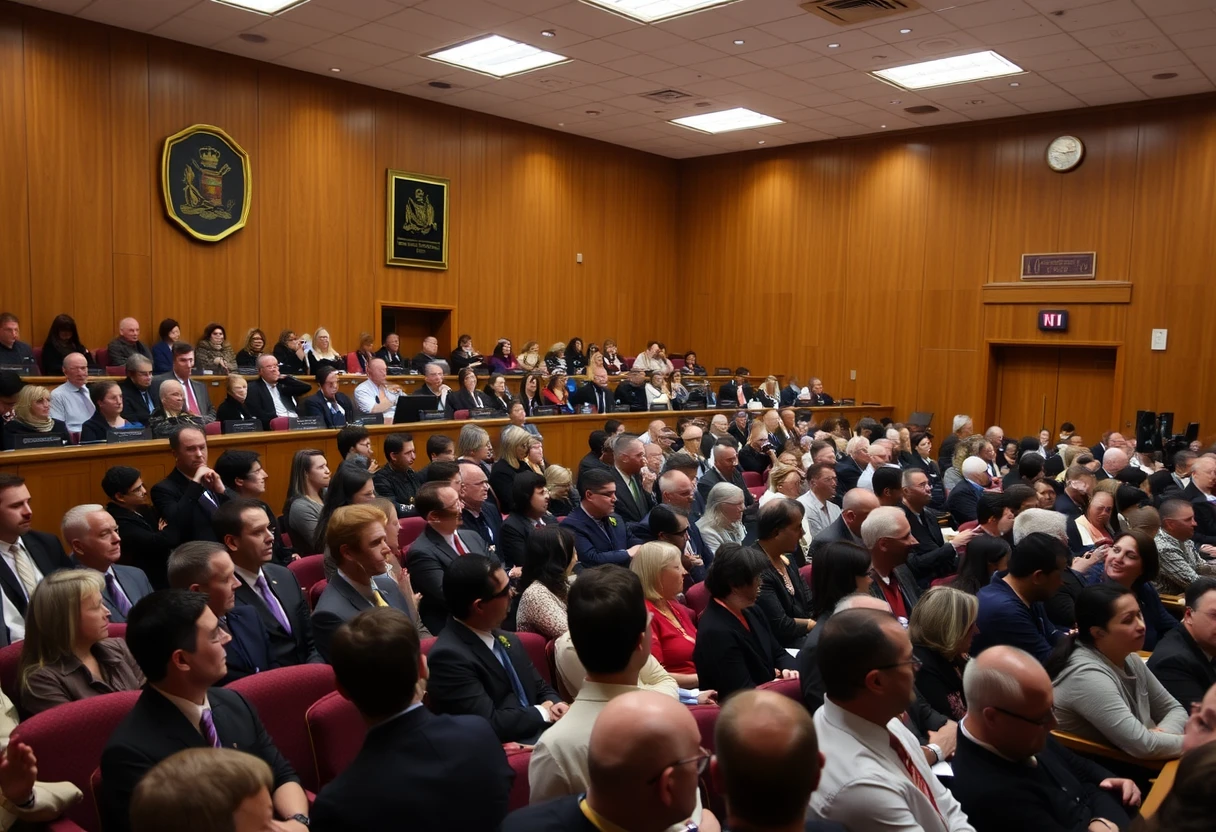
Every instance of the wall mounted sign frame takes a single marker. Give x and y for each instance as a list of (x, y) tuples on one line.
[(417, 220), (207, 182)]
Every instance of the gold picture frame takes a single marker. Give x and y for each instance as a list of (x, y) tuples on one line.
[(204, 155), (416, 220)]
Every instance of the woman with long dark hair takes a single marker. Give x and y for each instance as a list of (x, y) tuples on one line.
[(838, 569), (1133, 562), (349, 486), (62, 340), (985, 554), (549, 557)]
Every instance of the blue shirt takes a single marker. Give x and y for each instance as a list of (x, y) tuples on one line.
[(1004, 619)]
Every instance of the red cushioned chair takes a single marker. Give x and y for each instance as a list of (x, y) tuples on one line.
[(352, 363), (282, 697), (677, 363), (411, 528), (280, 423), (697, 597), (518, 761), (805, 572), (116, 370), (427, 644), (757, 491), (10, 662), (537, 652), (63, 825), (751, 479), (314, 593), (214, 428), (707, 717), (38, 357), (116, 630), (460, 415), (68, 740), (101, 356), (308, 570), (785, 687), (336, 731)]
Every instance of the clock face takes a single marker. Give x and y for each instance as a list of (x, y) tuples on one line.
[(1065, 153)]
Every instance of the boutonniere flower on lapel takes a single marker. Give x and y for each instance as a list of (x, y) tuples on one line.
[(504, 642), (612, 521)]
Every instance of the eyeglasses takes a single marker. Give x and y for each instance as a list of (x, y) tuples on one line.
[(505, 592), (609, 494), (916, 663), (1042, 722), (702, 761)]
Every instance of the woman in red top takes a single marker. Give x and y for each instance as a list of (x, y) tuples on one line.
[(555, 393), (673, 635)]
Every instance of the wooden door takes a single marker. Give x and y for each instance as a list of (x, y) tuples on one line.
[(1085, 393), (1039, 387)]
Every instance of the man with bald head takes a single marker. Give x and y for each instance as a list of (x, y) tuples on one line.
[(963, 497), (880, 457), (643, 762), (1113, 461), (376, 395), (855, 508), (127, 344), (767, 764), (70, 401), (1201, 492), (1009, 773), (887, 534), (273, 394)]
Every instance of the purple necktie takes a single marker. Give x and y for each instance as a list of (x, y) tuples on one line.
[(276, 610), (207, 724), (117, 596)]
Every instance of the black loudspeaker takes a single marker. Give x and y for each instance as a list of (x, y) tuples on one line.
[(1147, 438)]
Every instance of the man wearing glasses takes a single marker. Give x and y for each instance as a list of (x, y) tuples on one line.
[(645, 759), (137, 402), (1008, 771), (599, 532), (441, 544), (875, 774)]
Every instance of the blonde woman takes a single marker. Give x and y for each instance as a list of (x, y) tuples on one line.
[(722, 521), (757, 454), (32, 416), (529, 359), (560, 483), (512, 449), (234, 406), (768, 393), (323, 353), (784, 481), (657, 391), (673, 635), (67, 654), (941, 628), (534, 459)]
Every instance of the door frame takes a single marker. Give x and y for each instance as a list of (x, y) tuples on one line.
[(990, 375)]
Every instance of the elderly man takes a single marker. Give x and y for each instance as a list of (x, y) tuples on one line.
[(961, 504), (92, 536), (376, 395), (70, 402), (429, 354), (962, 427), (632, 390), (433, 385), (594, 393), (852, 465), (857, 505), (996, 438), (634, 499), (818, 397), (887, 535), (1114, 460), (880, 457), (1182, 661), (127, 344), (196, 399), (1181, 565), (725, 468), (1202, 494), (137, 402), (1110, 439), (272, 394), (1009, 773)]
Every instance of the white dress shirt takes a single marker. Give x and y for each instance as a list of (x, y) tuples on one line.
[(488, 640), (280, 409), (864, 784), (72, 406), (13, 619), (368, 395), (192, 711)]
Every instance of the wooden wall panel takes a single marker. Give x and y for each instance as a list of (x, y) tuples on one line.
[(14, 195)]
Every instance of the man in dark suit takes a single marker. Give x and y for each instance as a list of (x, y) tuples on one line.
[(26, 556), (1110, 439), (178, 644), (1181, 660), (92, 535), (334, 409), (725, 468), (204, 566), (480, 514), (273, 394), (887, 535), (190, 495), (858, 504), (477, 668), (397, 480), (137, 401), (445, 759), (594, 393), (818, 397), (600, 455), (271, 589), (851, 466), (1009, 774), (1201, 493), (1079, 483), (931, 557), (963, 497), (1165, 481), (356, 540), (633, 499), (729, 393), (600, 535), (632, 391), (196, 398), (440, 545), (669, 524), (143, 544)]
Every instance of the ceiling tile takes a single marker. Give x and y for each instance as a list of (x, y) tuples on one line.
[(1025, 28), (311, 60), (1134, 48), (1195, 40), (442, 30), (528, 30), (192, 31), (394, 38), (753, 12), (1164, 7), (922, 26), (678, 77), (597, 51), (1189, 22), (817, 68), (1118, 33), (1026, 79), (753, 40), (370, 53), (361, 9), (1115, 83), (527, 7), (628, 85), (1169, 89), (1100, 14), (646, 39), (687, 53), (339, 22), (986, 13), (1098, 99), (1019, 51), (595, 22), (257, 51), (384, 78), (725, 67), (884, 58), (846, 41), (140, 15), (475, 13), (701, 25), (639, 65), (1055, 60), (1047, 105), (798, 29), (779, 56), (1155, 63)]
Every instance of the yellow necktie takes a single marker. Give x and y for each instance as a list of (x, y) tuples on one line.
[(380, 602)]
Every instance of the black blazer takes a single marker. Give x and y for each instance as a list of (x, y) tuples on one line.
[(589, 394), (444, 759), (143, 545), (135, 585), (1205, 515), (836, 531), (848, 472), (156, 729), (728, 394), (962, 502), (287, 648), (230, 410), (779, 607), (487, 525), (48, 556), (427, 560), (1182, 668), (186, 507), (492, 400), (502, 479), (1061, 792), (635, 397), (317, 405), (932, 557), (134, 407), (513, 538), (464, 400), (249, 649), (730, 658), (289, 362), (626, 505), (713, 476), (94, 428), (15, 428), (902, 576), (340, 602), (467, 678), (261, 405)]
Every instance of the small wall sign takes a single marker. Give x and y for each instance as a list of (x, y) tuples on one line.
[(1053, 320)]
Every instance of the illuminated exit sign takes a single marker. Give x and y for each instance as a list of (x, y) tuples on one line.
[(1053, 320)]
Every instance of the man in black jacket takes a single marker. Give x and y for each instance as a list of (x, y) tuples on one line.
[(594, 393), (273, 394), (1199, 492), (398, 481), (334, 409), (1180, 661), (632, 391), (1009, 774), (28, 556), (177, 642), (446, 760), (931, 557), (634, 499), (192, 492), (728, 393), (137, 401), (144, 544)]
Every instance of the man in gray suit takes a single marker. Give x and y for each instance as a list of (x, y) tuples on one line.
[(440, 543), (92, 535), (197, 400), (358, 549)]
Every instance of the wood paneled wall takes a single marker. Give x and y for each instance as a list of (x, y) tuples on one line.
[(869, 255), (85, 109)]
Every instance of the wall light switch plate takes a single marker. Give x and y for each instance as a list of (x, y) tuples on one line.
[(852, 375), (1159, 338)]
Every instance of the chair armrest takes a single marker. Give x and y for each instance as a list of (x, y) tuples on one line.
[(1161, 787), (1089, 748)]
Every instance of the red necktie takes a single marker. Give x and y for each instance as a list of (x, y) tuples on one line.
[(913, 772), (191, 402), (742, 400), (460, 550)]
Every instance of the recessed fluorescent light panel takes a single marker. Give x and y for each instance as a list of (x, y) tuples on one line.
[(740, 118), (652, 11), (262, 6), (497, 56), (978, 66)]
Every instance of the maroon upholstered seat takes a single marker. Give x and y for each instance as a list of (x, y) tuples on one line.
[(308, 570), (697, 597), (336, 731)]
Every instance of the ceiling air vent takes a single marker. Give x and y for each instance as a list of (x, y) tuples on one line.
[(667, 96), (848, 12), (921, 109)]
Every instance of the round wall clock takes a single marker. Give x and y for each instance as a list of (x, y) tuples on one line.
[(1065, 153)]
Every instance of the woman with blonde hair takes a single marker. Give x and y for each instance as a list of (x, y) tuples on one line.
[(768, 393), (941, 628), (512, 450), (673, 635), (722, 521), (757, 454), (233, 406), (366, 351), (323, 353), (255, 345), (973, 445), (67, 654), (529, 358), (32, 416), (560, 482)]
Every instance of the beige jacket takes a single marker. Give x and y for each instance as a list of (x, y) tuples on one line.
[(50, 799)]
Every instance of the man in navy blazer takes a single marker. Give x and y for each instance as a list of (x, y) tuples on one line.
[(457, 773), (435, 550), (334, 409), (92, 535), (357, 543), (477, 668), (965, 497), (42, 549), (178, 644), (192, 492), (269, 384), (205, 566), (600, 535)]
